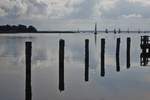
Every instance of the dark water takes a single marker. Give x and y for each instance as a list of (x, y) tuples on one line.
[(105, 80)]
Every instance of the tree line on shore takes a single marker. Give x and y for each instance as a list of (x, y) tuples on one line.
[(17, 28)]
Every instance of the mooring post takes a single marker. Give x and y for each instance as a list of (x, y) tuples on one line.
[(102, 57), (87, 60), (95, 33), (128, 51), (28, 53), (95, 39), (115, 31), (117, 55), (145, 50), (61, 64)]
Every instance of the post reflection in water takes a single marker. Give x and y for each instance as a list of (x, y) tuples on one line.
[(102, 57), (61, 64), (145, 46), (28, 52), (128, 51), (118, 55), (87, 60)]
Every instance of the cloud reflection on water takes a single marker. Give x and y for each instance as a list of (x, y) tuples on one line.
[(131, 84)]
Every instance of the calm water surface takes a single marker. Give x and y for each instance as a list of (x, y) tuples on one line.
[(128, 84)]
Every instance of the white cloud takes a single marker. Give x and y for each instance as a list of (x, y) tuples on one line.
[(143, 2), (132, 16), (107, 4), (104, 5), (73, 9), (2, 12), (38, 8), (60, 8), (114, 9)]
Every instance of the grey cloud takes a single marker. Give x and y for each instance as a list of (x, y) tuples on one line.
[(70, 14), (42, 8), (28, 8), (35, 7), (123, 7), (71, 9), (85, 10)]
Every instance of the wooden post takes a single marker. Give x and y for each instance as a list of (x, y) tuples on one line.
[(28, 52), (117, 55), (61, 64), (115, 31), (95, 39), (95, 33), (87, 60), (145, 50), (102, 57), (128, 51)]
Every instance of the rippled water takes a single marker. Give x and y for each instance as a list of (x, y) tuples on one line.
[(129, 84)]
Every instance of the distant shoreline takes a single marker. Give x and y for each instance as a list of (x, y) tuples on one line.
[(67, 32), (18, 29), (14, 29), (40, 32)]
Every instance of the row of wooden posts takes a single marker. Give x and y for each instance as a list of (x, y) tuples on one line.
[(28, 51), (61, 59)]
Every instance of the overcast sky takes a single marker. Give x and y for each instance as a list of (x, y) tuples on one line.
[(47, 14)]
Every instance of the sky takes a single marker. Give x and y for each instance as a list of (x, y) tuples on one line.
[(74, 14)]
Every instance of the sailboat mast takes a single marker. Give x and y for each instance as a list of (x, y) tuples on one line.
[(95, 29)]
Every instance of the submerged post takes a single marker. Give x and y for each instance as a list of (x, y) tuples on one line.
[(28, 53), (102, 57), (128, 51), (117, 55), (61, 64), (87, 60)]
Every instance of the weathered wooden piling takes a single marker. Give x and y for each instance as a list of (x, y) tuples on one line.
[(95, 33), (128, 31), (117, 55), (61, 64), (106, 31), (115, 31), (28, 53), (95, 39), (128, 51), (145, 46), (87, 60), (119, 31), (102, 57)]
